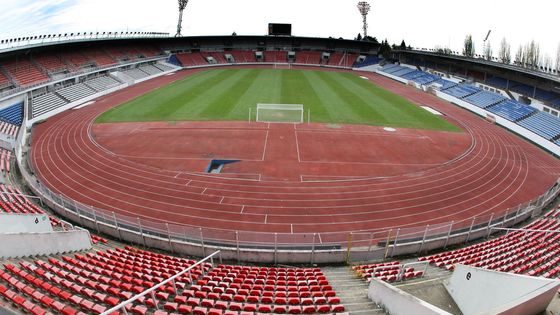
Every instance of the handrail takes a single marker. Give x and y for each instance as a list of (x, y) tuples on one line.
[(151, 290)]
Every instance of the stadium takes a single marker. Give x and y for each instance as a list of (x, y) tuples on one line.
[(146, 173)]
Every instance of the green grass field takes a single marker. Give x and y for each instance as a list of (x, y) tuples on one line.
[(227, 94)]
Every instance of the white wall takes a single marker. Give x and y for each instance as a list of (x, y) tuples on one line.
[(479, 291), (48, 243), (398, 302), (24, 223)]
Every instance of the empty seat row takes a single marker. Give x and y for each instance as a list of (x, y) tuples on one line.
[(46, 103), (543, 124), (512, 110), (75, 92), (102, 83)]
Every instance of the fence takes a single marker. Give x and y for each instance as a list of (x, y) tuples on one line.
[(280, 247)]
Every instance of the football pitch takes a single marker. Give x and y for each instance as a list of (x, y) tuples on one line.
[(229, 94)]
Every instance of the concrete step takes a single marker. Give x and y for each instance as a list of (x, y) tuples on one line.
[(351, 290)]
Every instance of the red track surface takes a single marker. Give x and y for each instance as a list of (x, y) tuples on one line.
[(485, 170)]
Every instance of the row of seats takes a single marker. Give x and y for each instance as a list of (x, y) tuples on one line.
[(5, 160), (305, 57), (12, 114), (75, 92), (386, 271), (38, 68), (96, 281), (484, 99), (524, 252), (46, 103), (13, 201), (461, 90), (543, 124), (102, 83), (512, 110), (8, 129), (24, 72), (135, 73)]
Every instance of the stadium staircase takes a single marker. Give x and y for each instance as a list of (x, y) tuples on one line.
[(351, 290)]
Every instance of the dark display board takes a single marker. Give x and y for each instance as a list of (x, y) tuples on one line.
[(277, 29)]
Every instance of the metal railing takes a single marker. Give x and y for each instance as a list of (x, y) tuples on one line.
[(164, 282), (237, 240)]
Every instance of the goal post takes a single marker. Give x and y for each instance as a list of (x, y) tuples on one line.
[(280, 113), (282, 66)]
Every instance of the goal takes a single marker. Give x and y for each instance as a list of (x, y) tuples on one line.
[(282, 66), (280, 113)]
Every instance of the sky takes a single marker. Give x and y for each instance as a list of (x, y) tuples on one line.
[(426, 23)]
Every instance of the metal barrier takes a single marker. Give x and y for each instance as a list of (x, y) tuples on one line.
[(164, 282), (360, 246)]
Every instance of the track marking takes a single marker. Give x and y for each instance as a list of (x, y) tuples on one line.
[(177, 175), (202, 193), (320, 240), (265, 143), (297, 144), (222, 199), (292, 228), (242, 208), (188, 183), (265, 218)]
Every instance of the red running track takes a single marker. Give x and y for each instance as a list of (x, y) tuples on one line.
[(497, 171)]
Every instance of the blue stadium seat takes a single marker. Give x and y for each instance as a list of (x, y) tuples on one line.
[(462, 90), (12, 114), (497, 82), (543, 124), (402, 71), (426, 79), (512, 110), (370, 60), (445, 84), (484, 99), (412, 75)]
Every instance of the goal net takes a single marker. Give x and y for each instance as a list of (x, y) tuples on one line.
[(280, 113), (282, 66)]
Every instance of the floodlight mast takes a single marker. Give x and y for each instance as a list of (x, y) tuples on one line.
[(364, 8), (182, 5)]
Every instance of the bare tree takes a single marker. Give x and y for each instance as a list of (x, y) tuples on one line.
[(558, 59), (468, 48), (519, 56), (505, 51), (532, 55), (546, 63), (488, 51)]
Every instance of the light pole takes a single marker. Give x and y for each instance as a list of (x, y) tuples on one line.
[(364, 8), (182, 5)]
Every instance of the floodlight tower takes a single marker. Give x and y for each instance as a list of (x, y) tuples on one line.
[(364, 8), (182, 5)]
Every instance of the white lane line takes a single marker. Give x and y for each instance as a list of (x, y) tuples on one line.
[(265, 143), (297, 146)]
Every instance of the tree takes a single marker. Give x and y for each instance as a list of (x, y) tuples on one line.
[(403, 45), (558, 59), (443, 50), (505, 51), (488, 51), (519, 58), (359, 37), (385, 49), (468, 48)]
